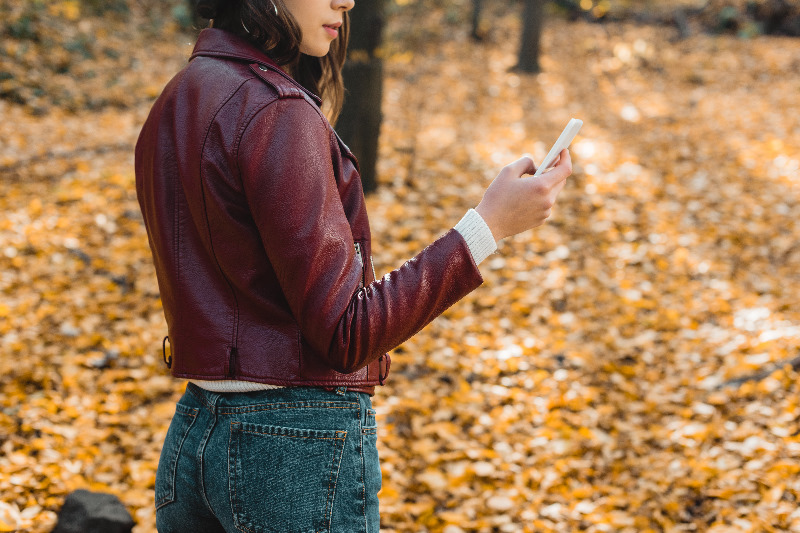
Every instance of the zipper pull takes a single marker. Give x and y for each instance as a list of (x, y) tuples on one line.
[(361, 260)]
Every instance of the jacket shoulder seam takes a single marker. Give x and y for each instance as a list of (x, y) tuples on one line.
[(258, 109), (283, 85)]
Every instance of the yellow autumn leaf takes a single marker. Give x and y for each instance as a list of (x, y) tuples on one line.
[(10, 518)]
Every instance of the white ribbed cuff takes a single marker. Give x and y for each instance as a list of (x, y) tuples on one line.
[(478, 236)]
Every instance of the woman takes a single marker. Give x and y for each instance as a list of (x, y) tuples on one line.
[(256, 220)]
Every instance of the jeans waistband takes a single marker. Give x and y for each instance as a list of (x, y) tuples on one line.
[(232, 402)]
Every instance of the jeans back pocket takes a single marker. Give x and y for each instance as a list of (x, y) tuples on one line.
[(168, 463), (283, 479)]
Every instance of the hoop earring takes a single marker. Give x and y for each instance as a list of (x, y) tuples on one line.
[(275, 7), (243, 26)]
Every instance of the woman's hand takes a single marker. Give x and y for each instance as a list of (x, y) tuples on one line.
[(514, 202)]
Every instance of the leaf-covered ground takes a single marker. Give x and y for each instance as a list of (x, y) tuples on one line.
[(627, 367)]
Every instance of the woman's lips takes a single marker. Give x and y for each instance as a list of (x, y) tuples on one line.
[(332, 29)]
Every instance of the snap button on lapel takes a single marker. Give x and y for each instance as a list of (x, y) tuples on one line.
[(262, 67)]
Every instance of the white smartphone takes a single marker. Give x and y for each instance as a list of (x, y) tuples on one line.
[(563, 141)]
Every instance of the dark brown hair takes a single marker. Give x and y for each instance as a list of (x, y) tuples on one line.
[(278, 34)]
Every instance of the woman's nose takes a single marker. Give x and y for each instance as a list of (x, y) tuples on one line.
[(345, 5)]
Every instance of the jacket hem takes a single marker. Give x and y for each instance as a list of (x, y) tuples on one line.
[(280, 382)]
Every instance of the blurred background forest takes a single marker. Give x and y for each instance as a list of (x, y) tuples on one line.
[(632, 366)]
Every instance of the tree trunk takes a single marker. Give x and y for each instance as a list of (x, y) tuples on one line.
[(477, 7), (533, 20), (360, 121)]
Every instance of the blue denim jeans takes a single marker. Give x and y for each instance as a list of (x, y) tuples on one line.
[(293, 460)]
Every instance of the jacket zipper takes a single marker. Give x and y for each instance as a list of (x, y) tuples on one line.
[(360, 258)]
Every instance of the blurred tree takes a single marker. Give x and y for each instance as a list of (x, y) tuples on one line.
[(360, 121), (185, 14), (532, 20), (477, 32), (102, 7)]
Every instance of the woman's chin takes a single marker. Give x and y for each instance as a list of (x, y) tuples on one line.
[(315, 51)]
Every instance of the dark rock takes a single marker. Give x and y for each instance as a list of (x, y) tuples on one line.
[(93, 512)]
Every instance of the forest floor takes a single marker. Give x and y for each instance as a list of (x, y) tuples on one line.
[(627, 367)]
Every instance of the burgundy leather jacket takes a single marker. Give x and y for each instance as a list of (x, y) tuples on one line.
[(257, 224)]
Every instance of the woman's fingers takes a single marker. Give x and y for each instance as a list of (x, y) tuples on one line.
[(523, 165), (513, 204), (561, 170)]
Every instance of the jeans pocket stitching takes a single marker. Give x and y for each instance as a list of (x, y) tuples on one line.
[(241, 527), (334, 477), (169, 497), (363, 483), (370, 485), (235, 473), (370, 422), (288, 405)]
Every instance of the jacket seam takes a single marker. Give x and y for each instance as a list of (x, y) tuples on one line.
[(176, 240), (261, 107), (235, 328), (299, 351), (243, 129)]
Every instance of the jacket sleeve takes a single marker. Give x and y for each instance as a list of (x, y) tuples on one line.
[(288, 177)]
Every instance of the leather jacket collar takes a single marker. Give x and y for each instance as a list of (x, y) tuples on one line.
[(213, 42)]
